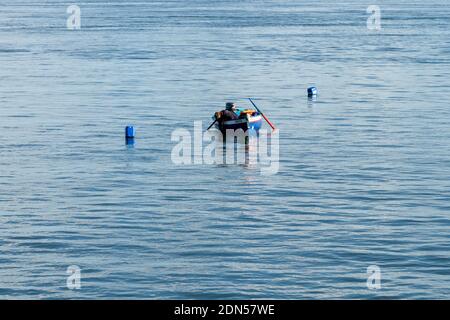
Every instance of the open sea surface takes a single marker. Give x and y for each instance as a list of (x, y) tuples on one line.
[(364, 175)]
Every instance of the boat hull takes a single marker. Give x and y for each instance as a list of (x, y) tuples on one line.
[(251, 123)]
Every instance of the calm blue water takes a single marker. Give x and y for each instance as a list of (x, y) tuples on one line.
[(364, 171)]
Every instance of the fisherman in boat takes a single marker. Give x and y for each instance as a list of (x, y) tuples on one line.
[(237, 118), (227, 114)]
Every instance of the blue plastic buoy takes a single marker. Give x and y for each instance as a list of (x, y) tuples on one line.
[(130, 133), (312, 91)]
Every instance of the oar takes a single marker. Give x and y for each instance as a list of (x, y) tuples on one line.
[(265, 118), (212, 124)]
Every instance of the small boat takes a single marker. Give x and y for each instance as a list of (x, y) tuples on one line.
[(248, 119)]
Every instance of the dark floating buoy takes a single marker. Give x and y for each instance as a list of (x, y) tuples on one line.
[(312, 91), (130, 133)]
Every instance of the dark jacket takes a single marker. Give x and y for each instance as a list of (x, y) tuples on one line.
[(228, 115)]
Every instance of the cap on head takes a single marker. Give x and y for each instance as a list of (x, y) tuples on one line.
[(230, 106)]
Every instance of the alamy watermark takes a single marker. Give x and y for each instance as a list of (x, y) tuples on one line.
[(214, 147), (74, 20), (374, 20), (374, 277), (73, 281)]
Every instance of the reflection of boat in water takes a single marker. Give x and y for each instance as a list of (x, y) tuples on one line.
[(247, 119)]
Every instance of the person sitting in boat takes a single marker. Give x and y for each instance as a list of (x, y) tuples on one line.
[(227, 114), (230, 111)]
